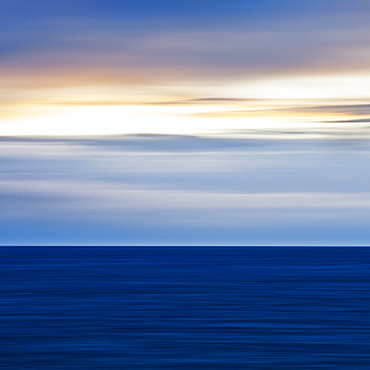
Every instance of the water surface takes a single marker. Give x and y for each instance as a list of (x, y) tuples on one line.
[(184, 308)]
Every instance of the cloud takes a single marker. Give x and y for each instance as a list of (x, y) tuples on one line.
[(101, 191), (58, 57), (360, 120), (355, 109), (249, 40)]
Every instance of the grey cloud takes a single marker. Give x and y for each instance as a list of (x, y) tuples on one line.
[(359, 109), (360, 120), (251, 49)]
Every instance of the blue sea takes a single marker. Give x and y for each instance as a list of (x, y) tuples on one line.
[(185, 308)]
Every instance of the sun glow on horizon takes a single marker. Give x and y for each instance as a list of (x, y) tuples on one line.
[(274, 104)]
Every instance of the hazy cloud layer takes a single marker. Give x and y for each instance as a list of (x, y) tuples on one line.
[(175, 190)]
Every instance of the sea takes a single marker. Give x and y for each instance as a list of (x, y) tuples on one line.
[(264, 308)]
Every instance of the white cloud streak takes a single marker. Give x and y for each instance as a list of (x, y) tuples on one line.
[(147, 197)]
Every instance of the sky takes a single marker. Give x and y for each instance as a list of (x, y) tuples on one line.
[(184, 122), (184, 190), (94, 67)]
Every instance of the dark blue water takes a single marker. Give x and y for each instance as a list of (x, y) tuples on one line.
[(185, 308)]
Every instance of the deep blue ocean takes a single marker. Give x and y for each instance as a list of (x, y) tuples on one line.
[(184, 308)]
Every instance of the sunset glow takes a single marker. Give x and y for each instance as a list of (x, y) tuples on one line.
[(84, 70)]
